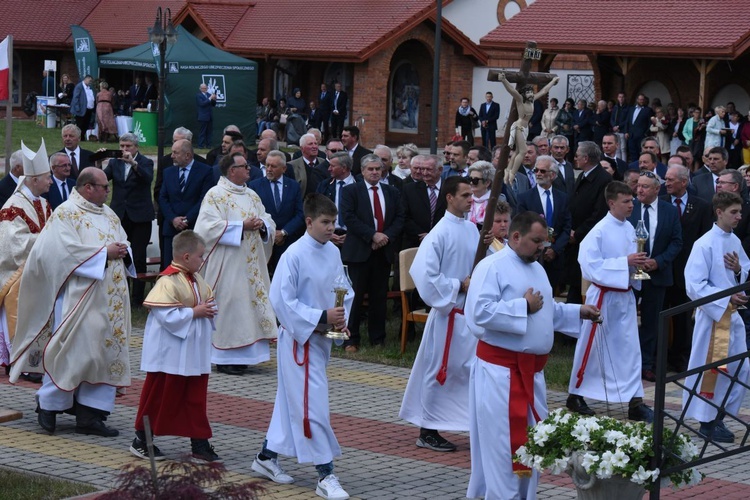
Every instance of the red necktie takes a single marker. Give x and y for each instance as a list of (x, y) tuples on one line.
[(377, 208)]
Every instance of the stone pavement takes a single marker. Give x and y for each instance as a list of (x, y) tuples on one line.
[(380, 460)]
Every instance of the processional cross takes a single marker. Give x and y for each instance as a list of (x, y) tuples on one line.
[(521, 78)]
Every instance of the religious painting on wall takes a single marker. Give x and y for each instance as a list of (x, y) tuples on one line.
[(404, 99)]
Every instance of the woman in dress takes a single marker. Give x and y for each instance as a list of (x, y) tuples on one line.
[(481, 174), (65, 90), (105, 116), (676, 124), (716, 130), (659, 128), (466, 117), (564, 123), (549, 127), (404, 154)]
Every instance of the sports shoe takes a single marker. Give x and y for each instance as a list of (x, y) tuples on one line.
[(140, 450), (717, 431), (202, 450), (272, 470), (435, 442), (329, 487)]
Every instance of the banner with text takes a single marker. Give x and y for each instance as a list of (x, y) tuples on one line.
[(85, 53)]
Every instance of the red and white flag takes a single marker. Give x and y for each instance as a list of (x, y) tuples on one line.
[(4, 71)]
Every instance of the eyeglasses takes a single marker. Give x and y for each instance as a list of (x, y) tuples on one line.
[(719, 182), (335, 150), (475, 180), (540, 171), (246, 167), (648, 174)]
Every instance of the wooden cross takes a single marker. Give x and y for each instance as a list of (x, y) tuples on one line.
[(523, 77)]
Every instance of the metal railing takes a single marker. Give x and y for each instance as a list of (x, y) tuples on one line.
[(662, 455)]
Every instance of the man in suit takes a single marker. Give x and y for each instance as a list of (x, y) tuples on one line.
[(552, 204), (308, 169), (325, 105), (350, 140), (489, 113), (237, 147), (696, 219), (418, 199), (637, 124), (566, 177), (230, 134), (650, 145), (610, 145), (339, 109), (525, 178), (79, 157), (131, 178), (663, 245), (587, 207), (458, 155), (314, 116), (340, 170), (9, 182), (282, 198), (205, 103), (137, 94), (704, 184), (61, 181), (151, 93), (386, 157), (82, 105), (182, 191), (374, 219), (618, 121), (179, 134), (583, 120)]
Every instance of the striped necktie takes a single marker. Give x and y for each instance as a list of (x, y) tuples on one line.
[(182, 179)]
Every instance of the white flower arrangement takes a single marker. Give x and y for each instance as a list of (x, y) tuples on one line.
[(605, 447)]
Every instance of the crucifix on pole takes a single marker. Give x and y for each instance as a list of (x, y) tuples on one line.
[(521, 78)]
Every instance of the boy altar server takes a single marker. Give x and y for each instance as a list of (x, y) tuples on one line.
[(301, 294), (177, 353), (717, 262), (437, 396)]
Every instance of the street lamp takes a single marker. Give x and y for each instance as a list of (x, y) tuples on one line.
[(162, 35)]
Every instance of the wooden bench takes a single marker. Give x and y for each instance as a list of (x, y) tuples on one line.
[(150, 276)]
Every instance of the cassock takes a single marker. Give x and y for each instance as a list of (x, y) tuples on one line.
[(705, 274), (603, 256), (300, 292), (235, 268), (444, 259), (77, 327), (176, 356), (496, 313), (22, 218)]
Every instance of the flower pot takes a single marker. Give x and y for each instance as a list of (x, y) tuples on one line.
[(590, 487)]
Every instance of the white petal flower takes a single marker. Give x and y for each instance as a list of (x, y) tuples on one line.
[(619, 458), (589, 460), (641, 475), (559, 465), (636, 443)]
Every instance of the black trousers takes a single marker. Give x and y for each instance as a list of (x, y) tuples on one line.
[(82, 122), (139, 234), (370, 278)]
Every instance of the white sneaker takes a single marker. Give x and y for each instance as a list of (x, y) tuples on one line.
[(329, 487), (272, 470)]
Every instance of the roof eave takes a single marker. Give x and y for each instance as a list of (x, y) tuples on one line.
[(621, 50)]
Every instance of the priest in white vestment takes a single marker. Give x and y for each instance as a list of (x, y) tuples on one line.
[(437, 394), (607, 360), (22, 218), (717, 262), (510, 308), (235, 225), (74, 319)]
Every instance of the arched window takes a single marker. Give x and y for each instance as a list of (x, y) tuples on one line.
[(403, 108)]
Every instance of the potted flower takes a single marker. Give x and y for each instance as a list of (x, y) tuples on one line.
[(605, 457)]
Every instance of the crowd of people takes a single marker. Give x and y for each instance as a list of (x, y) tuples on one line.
[(261, 235)]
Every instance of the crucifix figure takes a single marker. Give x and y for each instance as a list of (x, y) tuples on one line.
[(519, 116)]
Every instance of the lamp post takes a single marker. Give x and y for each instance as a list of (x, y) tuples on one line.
[(162, 35)]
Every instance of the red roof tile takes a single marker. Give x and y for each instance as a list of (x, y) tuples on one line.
[(42, 24), (221, 16), (676, 28)]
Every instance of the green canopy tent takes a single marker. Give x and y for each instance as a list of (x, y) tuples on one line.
[(191, 62)]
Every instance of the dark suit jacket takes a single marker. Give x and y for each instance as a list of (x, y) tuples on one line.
[(667, 241), (84, 160), (585, 122), (619, 117), (131, 196), (358, 217), (490, 116), (535, 122), (137, 97), (393, 180), (531, 201), (416, 205), (341, 104), (79, 102), (53, 196), (289, 216), (696, 221), (166, 162), (325, 104), (7, 186), (600, 126), (587, 205), (705, 186), (173, 202), (569, 184), (357, 156), (315, 118), (205, 107), (642, 122), (151, 93), (622, 166)]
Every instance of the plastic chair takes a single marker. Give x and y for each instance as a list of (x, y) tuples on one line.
[(405, 259)]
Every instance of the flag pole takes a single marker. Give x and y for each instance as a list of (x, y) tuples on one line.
[(9, 108)]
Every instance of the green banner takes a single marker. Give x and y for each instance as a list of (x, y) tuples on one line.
[(85, 53)]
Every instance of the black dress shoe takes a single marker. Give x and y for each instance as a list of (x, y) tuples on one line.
[(229, 369), (97, 428), (576, 404), (47, 419), (641, 413), (35, 378), (648, 375)]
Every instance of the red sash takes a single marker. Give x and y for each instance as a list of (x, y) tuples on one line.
[(522, 367), (443, 372), (594, 325), (306, 363)]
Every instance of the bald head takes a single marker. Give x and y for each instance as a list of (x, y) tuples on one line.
[(269, 134)]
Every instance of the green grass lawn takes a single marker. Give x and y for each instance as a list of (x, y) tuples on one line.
[(21, 486)]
